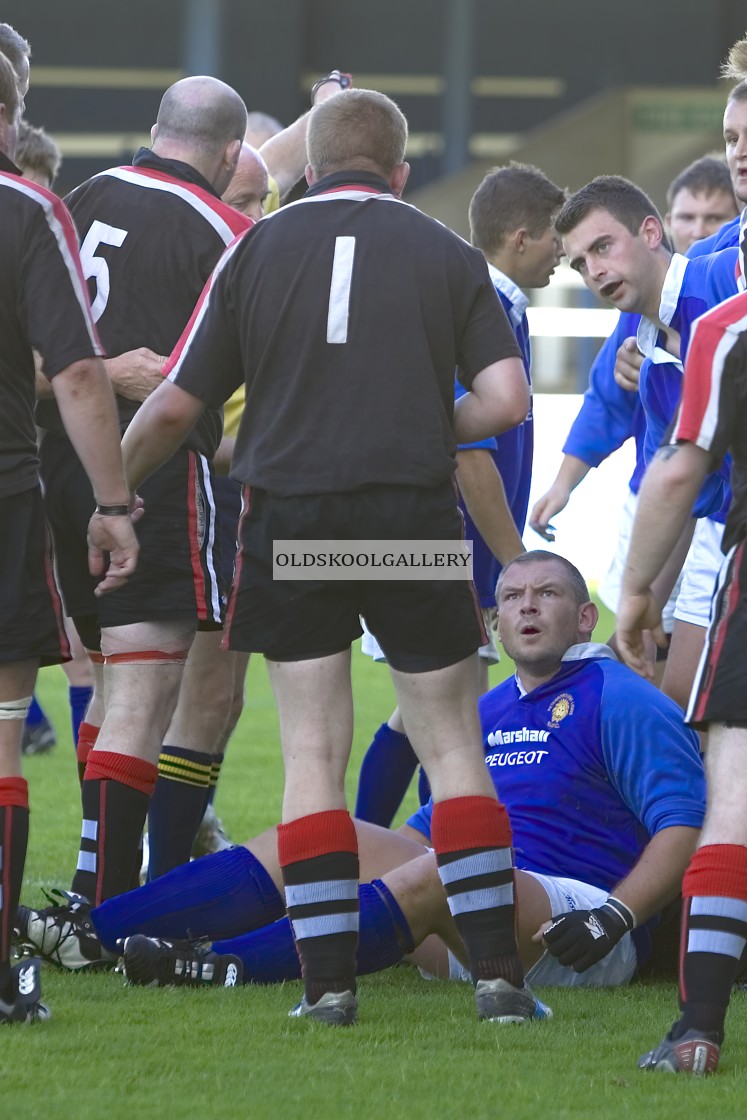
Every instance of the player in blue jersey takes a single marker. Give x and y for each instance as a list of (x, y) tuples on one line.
[(605, 790), (700, 204), (614, 238), (512, 221), (700, 200)]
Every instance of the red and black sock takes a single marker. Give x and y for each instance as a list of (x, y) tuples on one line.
[(88, 733), (319, 860), (115, 795), (472, 840), (14, 834), (714, 934)]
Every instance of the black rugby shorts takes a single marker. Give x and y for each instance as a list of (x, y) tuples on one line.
[(421, 625)]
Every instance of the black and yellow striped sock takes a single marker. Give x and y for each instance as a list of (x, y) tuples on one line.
[(177, 806)]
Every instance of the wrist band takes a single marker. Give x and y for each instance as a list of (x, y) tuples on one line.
[(624, 912), (113, 511), (343, 80)]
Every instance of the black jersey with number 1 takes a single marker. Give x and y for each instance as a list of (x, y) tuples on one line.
[(346, 314)]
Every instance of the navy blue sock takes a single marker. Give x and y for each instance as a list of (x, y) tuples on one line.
[(35, 714), (217, 896), (269, 955), (80, 697), (384, 937), (176, 807), (386, 772)]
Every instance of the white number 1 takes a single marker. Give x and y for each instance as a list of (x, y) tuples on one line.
[(339, 290)]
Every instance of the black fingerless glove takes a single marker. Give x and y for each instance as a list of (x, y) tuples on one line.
[(582, 938)]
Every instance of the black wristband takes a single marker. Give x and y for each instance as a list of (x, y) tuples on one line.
[(113, 511)]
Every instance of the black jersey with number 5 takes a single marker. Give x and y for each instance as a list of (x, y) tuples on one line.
[(150, 235)]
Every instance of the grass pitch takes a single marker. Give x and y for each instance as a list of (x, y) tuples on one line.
[(117, 1053)]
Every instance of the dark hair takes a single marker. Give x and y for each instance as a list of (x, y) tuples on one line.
[(510, 198), (704, 176), (576, 580), (621, 198)]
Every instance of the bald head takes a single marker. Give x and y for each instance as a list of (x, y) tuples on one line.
[(201, 112), (249, 185), (201, 121)]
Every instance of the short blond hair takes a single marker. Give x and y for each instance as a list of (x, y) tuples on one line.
[(359, 129)]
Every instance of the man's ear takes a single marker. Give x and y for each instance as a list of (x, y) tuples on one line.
[(153, 134), (588, 617), (652, 231), (310, 176), (518, 240), (398, 178), (231, 154)]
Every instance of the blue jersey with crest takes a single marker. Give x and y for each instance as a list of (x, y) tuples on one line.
[(590, 766), (512, 451)]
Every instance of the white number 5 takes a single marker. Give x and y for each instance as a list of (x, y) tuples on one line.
[(95, 267)]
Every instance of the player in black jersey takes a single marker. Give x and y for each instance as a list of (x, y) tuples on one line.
[(43, 304), (150, 235), (346, 314), (712, 420)]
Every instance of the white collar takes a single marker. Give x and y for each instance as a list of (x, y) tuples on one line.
[(513, 293), (581, 651), (648, 332)]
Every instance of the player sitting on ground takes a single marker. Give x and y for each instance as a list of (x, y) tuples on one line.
[(605, 790)]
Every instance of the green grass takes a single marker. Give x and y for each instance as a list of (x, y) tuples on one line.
[(116, 1053)]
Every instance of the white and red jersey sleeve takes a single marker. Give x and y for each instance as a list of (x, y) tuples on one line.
[(705, 418)]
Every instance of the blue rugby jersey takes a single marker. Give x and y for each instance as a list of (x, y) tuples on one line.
[(609, 415), (691, 287), (590, 766), (512, 451)]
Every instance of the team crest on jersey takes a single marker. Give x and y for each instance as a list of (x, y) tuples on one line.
[(561, 707)]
